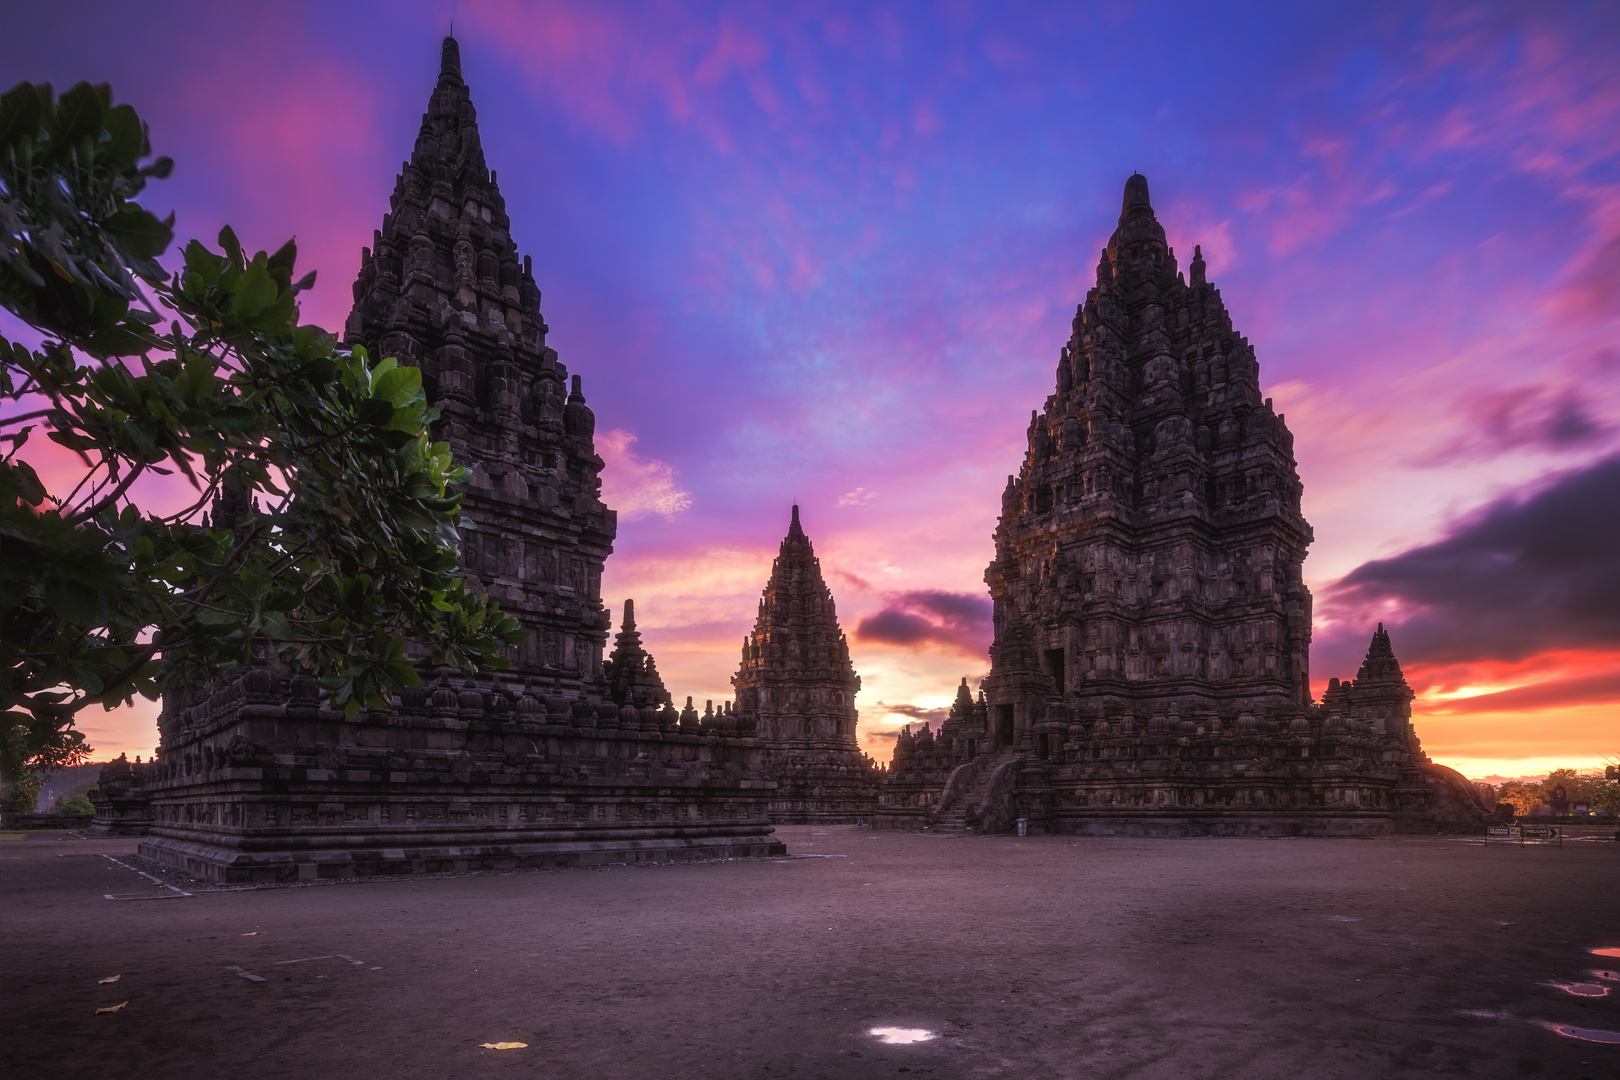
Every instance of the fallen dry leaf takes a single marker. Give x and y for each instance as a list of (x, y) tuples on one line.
[(112, 1008), (108, 979), (502, 1046)]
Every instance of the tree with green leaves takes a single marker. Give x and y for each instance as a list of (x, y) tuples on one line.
[(1607, 794), (333, 544)]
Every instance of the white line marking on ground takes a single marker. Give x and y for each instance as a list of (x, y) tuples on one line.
[(137, 896)]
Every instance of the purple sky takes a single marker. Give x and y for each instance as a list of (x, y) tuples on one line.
[(829, 252)]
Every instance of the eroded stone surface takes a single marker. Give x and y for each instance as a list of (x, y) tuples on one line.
[(558, 760), (1150, 669), (797, 684)]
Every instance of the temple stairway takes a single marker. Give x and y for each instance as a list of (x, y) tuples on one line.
[(967, 793)]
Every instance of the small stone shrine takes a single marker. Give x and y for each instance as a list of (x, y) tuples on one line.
[(558, 760), (1150, 666), (796, 687)]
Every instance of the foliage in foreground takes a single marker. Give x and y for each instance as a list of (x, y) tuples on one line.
[(340, 548)]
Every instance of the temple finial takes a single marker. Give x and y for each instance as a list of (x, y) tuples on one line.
[(629, 615), (1136, 194), (1195, 271), (449, 61)]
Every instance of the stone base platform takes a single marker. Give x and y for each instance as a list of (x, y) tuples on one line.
[(801, 804), (795, 815), (231, 859)]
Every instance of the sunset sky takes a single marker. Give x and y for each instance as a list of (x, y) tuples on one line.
[(829, 252)]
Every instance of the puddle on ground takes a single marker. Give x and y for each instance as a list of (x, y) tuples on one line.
[(1606, 976), (1570, 1031), (1592, 990), (1606, 952), (899, 1036)]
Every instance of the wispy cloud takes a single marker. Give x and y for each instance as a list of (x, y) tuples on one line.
[(637, 486)]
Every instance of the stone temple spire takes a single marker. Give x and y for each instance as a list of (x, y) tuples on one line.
[(1152, 623), (1380, 665), (798, 685), (446, 241), (443, 289), (1157, 508), (631, 674), (796, 674)]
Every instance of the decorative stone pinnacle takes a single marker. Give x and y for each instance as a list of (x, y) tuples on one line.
[(1136, 195), (449, 62)]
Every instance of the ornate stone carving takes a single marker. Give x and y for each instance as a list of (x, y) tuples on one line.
[(797, 685), (443, 289), (1153, 568)]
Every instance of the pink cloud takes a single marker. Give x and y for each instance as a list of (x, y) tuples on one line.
[(921, 618), (637, 486)]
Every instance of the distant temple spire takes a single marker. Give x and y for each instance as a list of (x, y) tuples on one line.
[(797, 681), (631, 674)]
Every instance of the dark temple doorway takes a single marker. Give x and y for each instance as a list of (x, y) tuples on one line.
[(1004, 725)]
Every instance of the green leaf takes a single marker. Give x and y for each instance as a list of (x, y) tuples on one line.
[(138, 232), (373, 411), (128, 136), (20, 110), (78, 115), (398, 386), (255, 291), (232, 246), (285, 256)]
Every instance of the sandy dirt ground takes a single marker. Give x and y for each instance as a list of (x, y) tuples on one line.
[(1041, 957)]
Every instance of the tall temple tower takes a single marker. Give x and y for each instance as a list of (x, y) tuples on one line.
[(556, 760), (1149, 673), (798, 685), (1149, 553), (442, 288)]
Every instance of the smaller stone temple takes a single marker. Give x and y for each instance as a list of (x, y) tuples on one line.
[(631, 672), (796, 686)]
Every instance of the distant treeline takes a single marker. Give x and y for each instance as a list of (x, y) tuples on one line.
[(70, 782), (1573, 789)]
